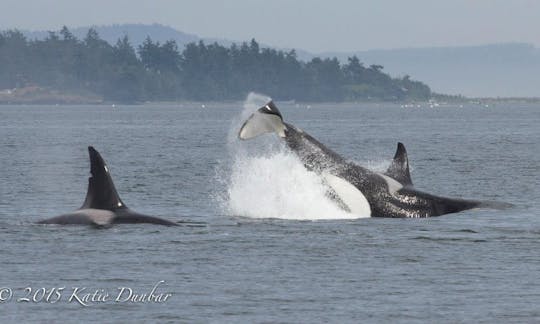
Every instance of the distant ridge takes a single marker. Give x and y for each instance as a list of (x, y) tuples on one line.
[(137, 33), (493, 70)]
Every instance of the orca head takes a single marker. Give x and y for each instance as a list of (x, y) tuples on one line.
[(101, 192)]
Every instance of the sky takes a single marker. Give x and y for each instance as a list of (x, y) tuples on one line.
[(316, 25)]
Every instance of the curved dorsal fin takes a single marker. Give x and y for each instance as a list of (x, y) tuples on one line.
[(399, 169), (101, 192)]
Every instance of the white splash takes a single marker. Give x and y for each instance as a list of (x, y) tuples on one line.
[(266, 180)]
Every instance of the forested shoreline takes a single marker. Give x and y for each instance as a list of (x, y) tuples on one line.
[(92, 68)]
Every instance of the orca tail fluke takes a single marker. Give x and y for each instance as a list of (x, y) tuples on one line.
[(266, 119)]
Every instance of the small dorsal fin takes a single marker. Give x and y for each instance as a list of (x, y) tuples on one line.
[(399, 169), (101, 192)]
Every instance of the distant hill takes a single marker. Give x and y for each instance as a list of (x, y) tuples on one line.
[(136, 33), (62, 68), (496, 70)]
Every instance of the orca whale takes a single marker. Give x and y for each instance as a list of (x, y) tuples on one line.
[(103, 206), (355, 188)]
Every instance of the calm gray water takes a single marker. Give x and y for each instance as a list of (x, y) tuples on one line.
[(177, 163)]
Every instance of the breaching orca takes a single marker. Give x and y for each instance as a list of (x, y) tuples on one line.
[(102, 206), (355, 188)]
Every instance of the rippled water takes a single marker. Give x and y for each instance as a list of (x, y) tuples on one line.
[(183, 163)]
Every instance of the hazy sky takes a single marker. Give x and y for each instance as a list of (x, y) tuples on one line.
[(316, 25)]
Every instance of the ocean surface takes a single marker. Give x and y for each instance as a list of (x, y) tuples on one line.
[(264, 243)]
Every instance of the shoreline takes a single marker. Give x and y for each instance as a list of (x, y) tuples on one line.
[(36, 96), (75, 102)]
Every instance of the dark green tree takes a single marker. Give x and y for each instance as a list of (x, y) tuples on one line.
[(199, 72)]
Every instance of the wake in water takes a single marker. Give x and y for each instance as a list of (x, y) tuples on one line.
[(266, 180)]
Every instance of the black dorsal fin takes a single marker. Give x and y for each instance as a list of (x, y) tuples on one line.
[(399, 169), (101, 192)]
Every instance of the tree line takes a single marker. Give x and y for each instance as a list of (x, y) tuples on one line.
[(157, 71)]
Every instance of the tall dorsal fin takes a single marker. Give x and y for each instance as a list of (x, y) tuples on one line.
[(399, 169), (101, 192)]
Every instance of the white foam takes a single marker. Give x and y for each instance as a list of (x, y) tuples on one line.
[(279, 186), (266, 180)]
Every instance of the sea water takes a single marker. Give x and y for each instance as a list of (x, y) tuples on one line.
[(265, 243)]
